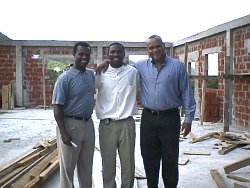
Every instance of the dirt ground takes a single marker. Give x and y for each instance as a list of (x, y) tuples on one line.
[(23, 128)]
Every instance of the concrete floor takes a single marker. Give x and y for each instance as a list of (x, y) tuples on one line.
[(32, 125)]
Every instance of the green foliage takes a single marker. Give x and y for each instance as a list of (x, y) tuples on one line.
[(212, 83), (52, 65)]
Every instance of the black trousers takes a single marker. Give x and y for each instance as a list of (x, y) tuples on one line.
[(159, 140)]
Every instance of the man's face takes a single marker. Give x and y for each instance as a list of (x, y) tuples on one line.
[(82, 57), (116, 55), (156, 49)]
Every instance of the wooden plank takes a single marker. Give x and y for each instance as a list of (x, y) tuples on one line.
[(8, 176), (218, 179), (191, 136), (12, 181), (183, 161), (5, 97), (204, 137), (52, 168), (238, 178), (227, 149), (13, 164), (238, 142), (237, 165), (236, 185), (43, 164), (25, 176), (196, 152), (29, 159), (35, 183)]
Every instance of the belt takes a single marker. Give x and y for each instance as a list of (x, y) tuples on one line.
[(78, 118), (108, 120), (158, 112)]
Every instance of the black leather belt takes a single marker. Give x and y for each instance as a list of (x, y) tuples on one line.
[(78, 118), (158, 112), (108, 120)]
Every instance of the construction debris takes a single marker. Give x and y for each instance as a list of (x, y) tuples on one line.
[(237, 165), (30, 169), (218, 179)]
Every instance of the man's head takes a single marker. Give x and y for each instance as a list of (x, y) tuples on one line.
[(81, 52), (156, 48), (116, 54)]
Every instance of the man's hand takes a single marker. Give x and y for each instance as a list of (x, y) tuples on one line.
[(102, 67), (185, 128), (66, 138)]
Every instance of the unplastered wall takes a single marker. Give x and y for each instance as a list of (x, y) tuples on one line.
[(7, 66), (241, 86), (198, 49)]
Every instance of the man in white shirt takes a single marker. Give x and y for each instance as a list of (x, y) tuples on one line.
[(115, 106)]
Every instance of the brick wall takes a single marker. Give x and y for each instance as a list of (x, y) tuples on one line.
[(241, 65), (241, 88), (217, 41), (7, 66)]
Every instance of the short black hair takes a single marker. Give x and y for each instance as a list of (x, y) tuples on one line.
[(117, 43), (84, 44), (156, 37)]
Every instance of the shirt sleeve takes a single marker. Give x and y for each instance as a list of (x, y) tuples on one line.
[(60, 91), (187, 97)]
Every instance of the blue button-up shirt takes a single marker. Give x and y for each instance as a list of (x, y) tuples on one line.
[(167, 87)]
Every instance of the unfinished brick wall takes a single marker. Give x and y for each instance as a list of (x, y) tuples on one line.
[(7, 66), (217, 41), (241, 63), (241, 88)]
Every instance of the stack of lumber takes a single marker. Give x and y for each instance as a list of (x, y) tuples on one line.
[(32, 168)]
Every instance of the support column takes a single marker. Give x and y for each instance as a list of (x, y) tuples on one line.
[(99, 55), (19, 76), (228, 83)]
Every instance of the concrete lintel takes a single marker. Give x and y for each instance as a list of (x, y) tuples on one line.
[(211, 50)]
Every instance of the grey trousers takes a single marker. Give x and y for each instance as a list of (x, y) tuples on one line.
[(83, 134), (113, 136)]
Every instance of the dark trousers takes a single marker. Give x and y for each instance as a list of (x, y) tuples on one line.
[(159, 140)]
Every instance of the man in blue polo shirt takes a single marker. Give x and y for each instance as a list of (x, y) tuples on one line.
[(73, 102)]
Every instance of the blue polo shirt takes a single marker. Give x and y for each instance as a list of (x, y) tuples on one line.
[(74, 90)]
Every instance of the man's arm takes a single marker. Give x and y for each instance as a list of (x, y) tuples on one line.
[(58, 114), (102, 67)]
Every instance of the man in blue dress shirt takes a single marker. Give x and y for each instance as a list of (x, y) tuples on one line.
[(164, 88)]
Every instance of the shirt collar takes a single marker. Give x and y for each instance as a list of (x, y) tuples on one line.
[(163, 64), (76, 71), (111, 69)]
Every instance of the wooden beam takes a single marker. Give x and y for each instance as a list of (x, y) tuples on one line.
[(52, 168), (196, 152), (238, 178), (236, 185), (227, 149), (218, 179), (237, 165), (204, 137)]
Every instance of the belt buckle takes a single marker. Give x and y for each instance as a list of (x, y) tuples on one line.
[(106, 121)]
